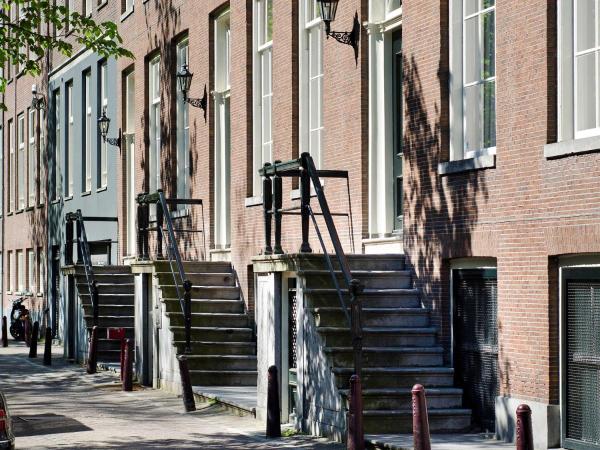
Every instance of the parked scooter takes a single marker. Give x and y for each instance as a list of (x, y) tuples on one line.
[(18, 316)]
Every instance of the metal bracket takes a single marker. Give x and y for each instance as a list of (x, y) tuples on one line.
[(199, 102), (115, 141), (351, 38)]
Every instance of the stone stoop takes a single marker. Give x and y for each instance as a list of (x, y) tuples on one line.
[(223, 341), (400, 346), (115, 307)]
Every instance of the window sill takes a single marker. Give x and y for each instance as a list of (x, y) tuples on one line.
[(126, 14), (102, 189), (55, 202), (40, 294), (102, 5), (9, 292), (19, 211), (70, 197), (86, 193), (572, 147), (9, 213), (467, 165), (253, 201), (30, 208)]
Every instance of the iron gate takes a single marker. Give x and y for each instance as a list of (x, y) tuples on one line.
[(582, 288), (476, 342)]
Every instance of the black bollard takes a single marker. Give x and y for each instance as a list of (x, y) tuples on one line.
[(186, 384), (27, 332), (93, 351), (34, 340), (128, 377), (273, 412), (4, 332), (48, 347)]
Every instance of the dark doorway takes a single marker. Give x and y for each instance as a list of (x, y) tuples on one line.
[(398, 154), (582, 358), (55, 289), (475, 294)]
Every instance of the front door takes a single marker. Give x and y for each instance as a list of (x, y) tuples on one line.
[(55, 289), (581, 369), (397, 152), (475, 296)]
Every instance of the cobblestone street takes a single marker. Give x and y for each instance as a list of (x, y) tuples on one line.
[(63, 407)]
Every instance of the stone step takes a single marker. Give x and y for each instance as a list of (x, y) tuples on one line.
[(375, 279), (196, 266), (381, 337), (129, 331), (210, 319), (101, 270), (214, 334), (450, 420), (373, 298), (108, 299), (374, 317), (111, 321), (394, 399), (108, 278), (397, 377), (109, 344), (110, 310), (206, 305), (222, 362), (217, 348), (206, 292), (356, 261), (122, 288), (388, 356), (199, 279), (223, 377)]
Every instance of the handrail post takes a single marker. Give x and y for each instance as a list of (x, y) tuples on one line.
[(94, 298), (304, 205), (159, 224), (356, 313), (69, 242), (267, 206), (277, 205), (78, 227), (187, 304)]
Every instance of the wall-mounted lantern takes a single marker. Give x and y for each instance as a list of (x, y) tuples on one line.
[(103, 126), (39, 101), (328, 11), (184, 79)]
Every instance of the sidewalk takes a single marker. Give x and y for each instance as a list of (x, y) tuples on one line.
[(63, 407)]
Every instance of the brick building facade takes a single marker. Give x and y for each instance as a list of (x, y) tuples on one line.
[(470, 141)]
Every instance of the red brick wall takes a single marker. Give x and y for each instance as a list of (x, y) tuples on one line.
[(523, 212)]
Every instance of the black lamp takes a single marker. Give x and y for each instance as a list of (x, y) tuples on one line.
[(184, 79), (328, 10), (103, 126), (38, 101)]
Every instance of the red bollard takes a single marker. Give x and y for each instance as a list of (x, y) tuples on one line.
[(354, 419), (524, 430), (128, 377), (93, 351), (421, 437), (273, 411), (4, 332)]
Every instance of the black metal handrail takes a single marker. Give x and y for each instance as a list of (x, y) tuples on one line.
[(164, 217), (304, 168), (84, 255)]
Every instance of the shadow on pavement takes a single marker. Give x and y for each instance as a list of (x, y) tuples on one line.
[(41, 424)]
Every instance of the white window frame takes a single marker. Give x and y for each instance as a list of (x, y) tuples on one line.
[(20, 269), (222, 111), (129, 146), (11, 166), (57, 145), (263, 92), (183, 128), (129, 4), (9, 272), (154, 123), (31, 158), (87, 139), (41, 163), (41, 270), (21, 161), (311, 98), (70, 147), (1, 178), (103, 160), (458, 118), (30, 281)]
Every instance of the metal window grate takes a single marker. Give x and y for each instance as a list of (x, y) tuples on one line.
[(292, 325), (583, 361), (476, 342)]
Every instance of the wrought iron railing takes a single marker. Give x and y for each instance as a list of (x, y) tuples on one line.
[(304, 168), (164, 218), (84, 255)]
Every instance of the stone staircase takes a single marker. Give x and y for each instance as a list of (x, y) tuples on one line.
[(223, 342), (400, 346), (116, 306)]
